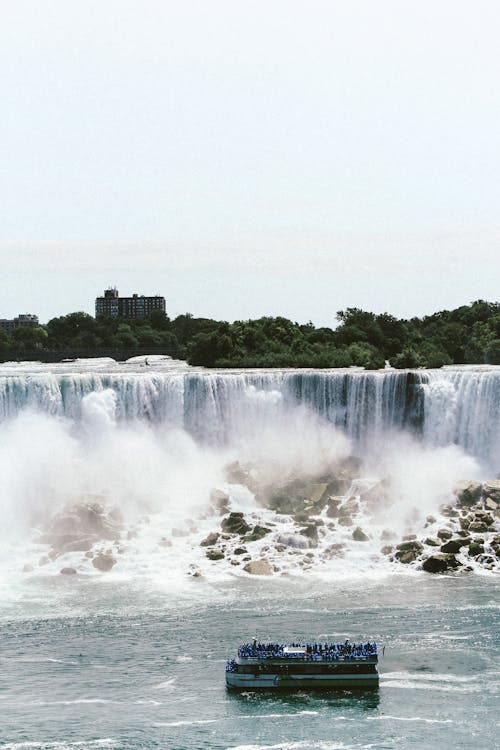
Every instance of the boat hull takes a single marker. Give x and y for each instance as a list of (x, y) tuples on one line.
[(271, 681)]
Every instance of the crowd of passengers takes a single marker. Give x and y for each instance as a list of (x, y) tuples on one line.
[(313, 651)]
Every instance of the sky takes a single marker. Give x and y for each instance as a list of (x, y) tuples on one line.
[(247, 158)]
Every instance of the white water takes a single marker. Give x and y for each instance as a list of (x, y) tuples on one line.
[(154, 440)]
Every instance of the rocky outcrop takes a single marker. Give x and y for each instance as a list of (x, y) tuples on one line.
[(258, 568), (78, 527), (215, 554), (467, 492), (235, 523)]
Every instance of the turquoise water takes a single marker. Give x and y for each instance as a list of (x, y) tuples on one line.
[(88, 664)]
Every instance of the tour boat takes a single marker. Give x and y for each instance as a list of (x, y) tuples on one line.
[(303, 666)]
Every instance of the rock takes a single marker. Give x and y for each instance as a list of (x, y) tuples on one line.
[(430, 520), (359, 535), (235, 562), (475, 549), (412, 545), (444, 534), (316, 494), (334, 550), (491, 504), (67, 571), (197, 574), (467, 492), (311, 533), (350, 507), (454, 545), (465, 523), (448, 511), (387, 549), (220, 500), (333, 507), (258, 568), (215, 554), (409, 537), (258, 532), (492, 489), (432, 541), (345, 521), (407, 557), (440, 563), (164, 542), (103, 561), (240, 551), (28, 568), (210, 540), (487, 561), (478, 527), (234, 523)]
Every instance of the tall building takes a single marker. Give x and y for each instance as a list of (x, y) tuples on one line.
[(25, 319), (136, 306)]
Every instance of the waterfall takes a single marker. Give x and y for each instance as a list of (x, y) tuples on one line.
[(448, 406)]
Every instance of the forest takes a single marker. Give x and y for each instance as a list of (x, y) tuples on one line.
[(467, 334)]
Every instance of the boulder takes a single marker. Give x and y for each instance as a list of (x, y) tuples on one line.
[(345, 520), (475, 549), (444, 534), (82, 544), (258, 532), (484, 516), (440, 563), (240, 551), (430, 520), (103, 561), (220, 500), (454, 545), (467, 492), (350, 507), (406, 557), (234, 523), (478, 527), (491, 504), (215, 554), (334, 504), (487, 561), (387, 549), (412, 545), (258, 568), (210, 540), (388, 535), (311, 533), (359, 535), (432, 541), (492, 489), (68, 571)]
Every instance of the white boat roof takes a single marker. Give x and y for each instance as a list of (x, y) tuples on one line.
[(294, 650)]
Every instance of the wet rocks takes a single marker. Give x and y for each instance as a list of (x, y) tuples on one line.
[(440, 563), (258, 568), (210, 539), (220, 500), (235, 524), (492, 489), (104, 561), (454, 545), (215, 554), (78, 527), (68, 571), (258, 532), (432, 541), (359, 535), (407, 552), (467, 492), (311, 533), (444, 534)]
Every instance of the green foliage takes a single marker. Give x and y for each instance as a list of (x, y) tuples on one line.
[(468, 334)]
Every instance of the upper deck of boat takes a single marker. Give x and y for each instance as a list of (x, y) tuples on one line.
[(256, 653)]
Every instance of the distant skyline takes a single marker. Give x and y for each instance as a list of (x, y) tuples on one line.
[(245, 159)]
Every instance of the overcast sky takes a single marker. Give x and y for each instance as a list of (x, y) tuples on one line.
[(248, 157)]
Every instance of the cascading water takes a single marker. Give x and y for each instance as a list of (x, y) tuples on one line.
[(449, 406)]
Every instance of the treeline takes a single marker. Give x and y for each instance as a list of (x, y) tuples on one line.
[(469, 334)]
